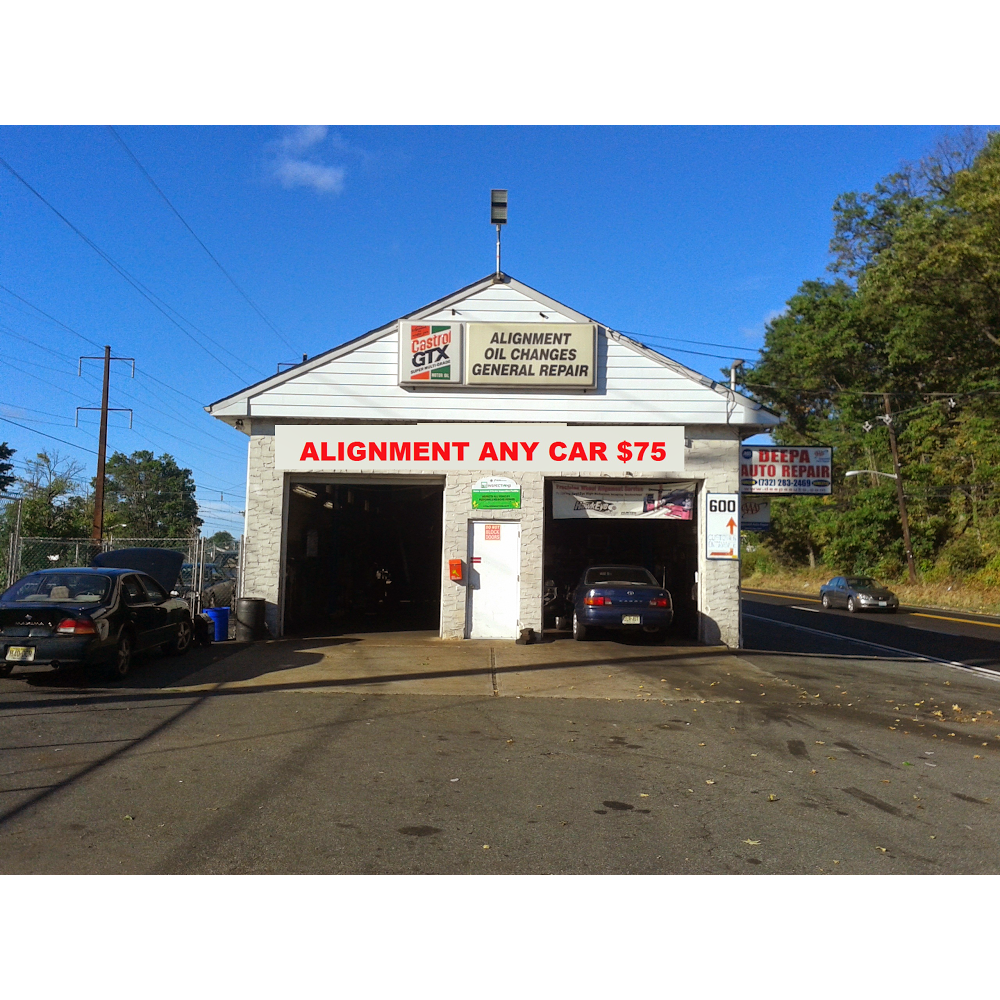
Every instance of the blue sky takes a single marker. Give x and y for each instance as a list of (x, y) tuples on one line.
[(685, 237)]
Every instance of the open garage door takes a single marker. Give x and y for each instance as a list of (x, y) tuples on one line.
[(363, 558), (629, 522)]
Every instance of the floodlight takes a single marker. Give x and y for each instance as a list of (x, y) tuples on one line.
[(498, 207)]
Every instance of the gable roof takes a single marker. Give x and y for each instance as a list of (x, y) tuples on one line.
[(358, 380)]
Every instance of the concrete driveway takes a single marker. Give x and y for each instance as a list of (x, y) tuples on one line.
[(419, 663)]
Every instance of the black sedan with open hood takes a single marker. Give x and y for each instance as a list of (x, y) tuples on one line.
[(96, 616)]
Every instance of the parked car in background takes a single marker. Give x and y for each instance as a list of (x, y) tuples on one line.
[(217, 588), (857, 593), (620, 598), (89, 617), (217, 585)]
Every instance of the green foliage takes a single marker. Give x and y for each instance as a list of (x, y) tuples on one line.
[(922, 323), (7, 477), (222, 540), (964, 555), (53, 505), (755, 558), (801, 528), (147, 497)]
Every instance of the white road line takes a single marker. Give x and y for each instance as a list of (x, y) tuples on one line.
[(796, 607), (958, 665)]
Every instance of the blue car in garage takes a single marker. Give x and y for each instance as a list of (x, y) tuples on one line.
[(620, 598)]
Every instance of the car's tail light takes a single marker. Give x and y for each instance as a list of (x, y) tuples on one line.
[(76, 626), (659, 602), (598, 601)]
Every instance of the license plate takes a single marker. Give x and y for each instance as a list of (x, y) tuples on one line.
[(631, 619), (882, 604), (21, 654)]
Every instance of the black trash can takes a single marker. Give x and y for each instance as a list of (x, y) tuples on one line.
[(249, 619)]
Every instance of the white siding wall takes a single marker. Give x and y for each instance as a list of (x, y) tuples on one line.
[(363, 386), (500, 304)]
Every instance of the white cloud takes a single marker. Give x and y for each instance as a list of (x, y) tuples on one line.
[(306, 173), (293, 169), (304, 137)]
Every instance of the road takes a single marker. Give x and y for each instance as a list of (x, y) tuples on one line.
[(782, 622), (812, 753)]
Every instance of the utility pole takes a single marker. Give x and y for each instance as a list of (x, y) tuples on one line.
[(102, 446), (899, 489), (97, 533)]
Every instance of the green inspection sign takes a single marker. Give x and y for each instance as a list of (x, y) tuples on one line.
[(496, 493)]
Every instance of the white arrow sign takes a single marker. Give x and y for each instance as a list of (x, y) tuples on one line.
[(722, 525)]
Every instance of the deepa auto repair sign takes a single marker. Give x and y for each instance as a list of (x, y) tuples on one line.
[(614, 450), (786, 470)]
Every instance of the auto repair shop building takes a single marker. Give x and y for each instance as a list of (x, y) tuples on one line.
[(458, 468)]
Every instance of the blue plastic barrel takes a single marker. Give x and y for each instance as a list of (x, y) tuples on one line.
[(221, 618)]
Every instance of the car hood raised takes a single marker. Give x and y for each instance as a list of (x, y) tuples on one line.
[(163, 565)]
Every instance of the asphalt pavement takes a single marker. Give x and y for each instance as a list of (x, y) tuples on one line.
[(789, 622), (827, 757)]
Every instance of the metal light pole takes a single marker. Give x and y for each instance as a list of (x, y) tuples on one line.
[(498, 216)]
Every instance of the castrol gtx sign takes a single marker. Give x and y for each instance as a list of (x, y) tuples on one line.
[(614, 451), (429, 353), (785, 470)]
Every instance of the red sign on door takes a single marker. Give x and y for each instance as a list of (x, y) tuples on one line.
[(492, 533)]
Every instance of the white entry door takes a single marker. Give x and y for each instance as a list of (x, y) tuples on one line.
[(494, 579)]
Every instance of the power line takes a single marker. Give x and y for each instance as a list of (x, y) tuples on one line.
[(168, 386), (7, 420), (76, 333), (681, 350), (253, 305), (682, 340), (46, 382), (42, 312), (208, 451), (145, 292), (139, 399), (859, 392)]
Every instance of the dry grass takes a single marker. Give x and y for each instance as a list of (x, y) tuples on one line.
[(949, 595)]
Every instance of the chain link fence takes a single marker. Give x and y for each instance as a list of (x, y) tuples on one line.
[(209, 575), (10, 529)]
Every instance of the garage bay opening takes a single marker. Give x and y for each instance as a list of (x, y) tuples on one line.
[(363, 558), (631, 522)]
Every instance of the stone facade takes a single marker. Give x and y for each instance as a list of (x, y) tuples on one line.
[(458, 514), (711, 456), (264, 531)]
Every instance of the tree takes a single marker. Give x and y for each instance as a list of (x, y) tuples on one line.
[(915, 314), (7, 476), (147, 497), (53, 505), (222, 540)]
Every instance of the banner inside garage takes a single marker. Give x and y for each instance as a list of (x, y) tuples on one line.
[(671, 501)]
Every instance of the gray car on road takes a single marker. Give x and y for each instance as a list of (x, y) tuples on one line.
[(857, 593)]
